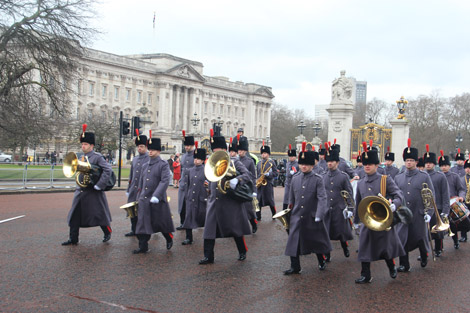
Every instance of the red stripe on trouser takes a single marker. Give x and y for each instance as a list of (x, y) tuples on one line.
[(347, 245), (393, 261), (109, 229), (246, 248), (171, 235), (324, 257), (256, 221), (275, 210)]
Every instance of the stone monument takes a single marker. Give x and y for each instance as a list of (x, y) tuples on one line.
[(340, 113), (400, 132)]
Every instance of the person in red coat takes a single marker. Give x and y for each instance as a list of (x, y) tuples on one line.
[(176, 171)]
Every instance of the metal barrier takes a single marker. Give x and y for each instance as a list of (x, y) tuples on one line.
[(34, 178)]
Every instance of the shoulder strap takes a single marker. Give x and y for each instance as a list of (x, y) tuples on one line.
[(383, 185)]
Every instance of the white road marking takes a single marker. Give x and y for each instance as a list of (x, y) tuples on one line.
[(13, 218)]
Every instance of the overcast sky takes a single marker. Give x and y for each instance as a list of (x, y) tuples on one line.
[(298, 48)]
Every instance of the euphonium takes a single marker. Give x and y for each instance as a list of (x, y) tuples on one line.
[(429, 204), (284, 217), (219, 168), (262, 181), (73, 166), (131, 208), (375, 213)]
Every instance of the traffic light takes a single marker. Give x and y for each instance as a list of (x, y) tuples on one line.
[(125, 128), (136, 125)]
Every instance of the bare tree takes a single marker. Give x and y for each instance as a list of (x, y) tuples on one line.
[(40, 45)]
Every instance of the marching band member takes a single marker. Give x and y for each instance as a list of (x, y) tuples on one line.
[(322, 162), (317, 169), (307, 230), (420, 164), (415, 235), (291, 169), (225, 216), (459, 167), (376, 245), (337, 217), (196, 196), (134, 174), (441, 196), (466, 183), (390, 170), (251, 167), (154, 214), (233, 149), (343, 166), (89, 205), (359, 170), (187, 161), (456, 189), (265, 194)]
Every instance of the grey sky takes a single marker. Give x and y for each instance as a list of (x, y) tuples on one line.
[(298, 47)]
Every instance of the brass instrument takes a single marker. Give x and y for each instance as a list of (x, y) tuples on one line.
[(284, 217), (429, 204), (467, 195), (131, 208), (219, 168), (261, 181), (73, 166), (375, 213), (256, 204), (446, 221), (349, 201)]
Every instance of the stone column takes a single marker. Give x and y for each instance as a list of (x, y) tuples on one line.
[(169, 89), (177, 112), (185, 107), (400, 135)]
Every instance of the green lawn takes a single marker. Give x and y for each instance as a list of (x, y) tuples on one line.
[(15, 172)]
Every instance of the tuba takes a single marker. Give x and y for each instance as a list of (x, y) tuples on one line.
[(284, 217), (84, 170), (375, 213), (131, 208), (219, 168)]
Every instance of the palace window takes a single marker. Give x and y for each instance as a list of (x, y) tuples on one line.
[(139, 96), (104, 90), (128, 95), (116, 93), (91, 88)]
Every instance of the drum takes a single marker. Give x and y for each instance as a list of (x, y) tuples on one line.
[(459, 215)]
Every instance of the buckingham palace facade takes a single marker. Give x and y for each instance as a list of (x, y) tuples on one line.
[(165, 92)]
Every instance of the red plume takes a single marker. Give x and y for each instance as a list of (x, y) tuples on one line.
[(231, 139), (427, 148), (320, 147), (196, 144), (334, 141), (370, 143), (150, 135), (388, 148), (364, 145), (290, 147), (263, 143), (458, 150), (137, 132), (184, 133), (409, 145), (442, 154), (212, 132), (84, 129), (238, 137), (313, 148), (327, 147), (304, 146)]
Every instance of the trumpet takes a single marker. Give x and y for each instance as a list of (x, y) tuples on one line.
[(261, 181)]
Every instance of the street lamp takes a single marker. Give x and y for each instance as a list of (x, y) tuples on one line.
[(195, 120), (218, 128), (458, 140), (268, 140), (316, 128), (401, 107), (301, 127)]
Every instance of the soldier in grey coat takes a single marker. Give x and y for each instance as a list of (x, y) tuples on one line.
[(154, 214), (187, 161), (390, 170), (251, 167), (416, 234), (359, 170), (343, 166), (441, 197), (90, 206), (292, 168), (265, 194), (134, 175), (337, 219), (321, 161), (225, 216), (456, 189), (466, 183), (307, 230), (376, 245), (196, 197), (459, 167)]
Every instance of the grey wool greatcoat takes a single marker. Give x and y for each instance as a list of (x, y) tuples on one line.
[(344, 167), (338, 227), (225, 216), (196, 198), (411, 184), (134, 175), (265, 194), (378, 245), (154, 217), (93, 203), (250, 166), (308, 200), (187, 161), (290, 166), (322, 163), (317, 169), (458, 169), (391, 171), (456, 187), (441, 198), (360, 172)]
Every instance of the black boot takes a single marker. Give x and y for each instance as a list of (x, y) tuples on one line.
[(404, 264), (321, 261), (391, 268), (294, 266), (344, 245), (365, 274)]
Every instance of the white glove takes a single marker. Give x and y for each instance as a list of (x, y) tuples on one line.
[(292, 172), (317, 219), (444, 215), (267, 174), (427, 218), (255, 194), (127, 195), (233, 183), (356, 226), (96, 187), (154, 200), (345, 213), (393, 207)]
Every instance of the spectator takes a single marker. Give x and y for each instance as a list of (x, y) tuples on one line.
[(176, 171), (170, 163), (54, 157), (47, 157)]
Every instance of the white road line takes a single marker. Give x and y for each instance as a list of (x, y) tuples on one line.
[(13, 218)]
